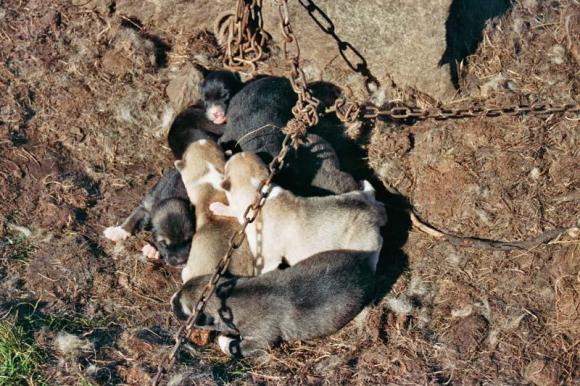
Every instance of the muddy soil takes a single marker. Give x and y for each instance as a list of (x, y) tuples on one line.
[(86, 98)]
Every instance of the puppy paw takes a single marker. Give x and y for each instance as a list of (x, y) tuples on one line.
[(150, 252), (116, 233), (224, 342), (221, 209)]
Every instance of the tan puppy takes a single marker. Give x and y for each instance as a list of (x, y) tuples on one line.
[(292, 228), (201, 169)]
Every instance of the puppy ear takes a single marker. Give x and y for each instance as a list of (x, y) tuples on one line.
[(221, 209), (179, 164), (226, 184)]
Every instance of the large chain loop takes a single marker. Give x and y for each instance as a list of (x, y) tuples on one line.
[(246, 37)]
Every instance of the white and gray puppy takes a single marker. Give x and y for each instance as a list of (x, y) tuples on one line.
[(167, 211), (291, 228), (313, 298)]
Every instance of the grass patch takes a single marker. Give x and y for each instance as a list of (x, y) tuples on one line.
[(75, 323), (19, 358)]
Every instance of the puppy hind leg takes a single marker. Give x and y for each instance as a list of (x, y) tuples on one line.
[(138, 216)]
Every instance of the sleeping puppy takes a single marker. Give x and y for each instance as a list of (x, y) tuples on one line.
[(291, 228), (201, 171), (257, 114), (316, 297), (195, 123), (165, 210), (217, 89)]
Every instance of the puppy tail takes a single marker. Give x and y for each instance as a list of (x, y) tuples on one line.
[(368, 190), (369, 194)]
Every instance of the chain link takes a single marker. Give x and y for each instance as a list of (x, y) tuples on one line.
[(235, 242), (305, 115), (306, 107), (245, 36), (349, 111)]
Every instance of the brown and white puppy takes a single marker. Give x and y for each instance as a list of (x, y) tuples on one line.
[(291, 228), (202, 168)]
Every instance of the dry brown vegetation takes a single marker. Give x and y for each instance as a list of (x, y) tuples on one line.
[(84, 109)]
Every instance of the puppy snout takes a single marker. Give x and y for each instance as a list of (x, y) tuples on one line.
[(176, 260)]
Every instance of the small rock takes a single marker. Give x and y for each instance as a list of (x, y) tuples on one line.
[(183, 90)]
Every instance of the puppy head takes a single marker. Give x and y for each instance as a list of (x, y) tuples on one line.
[(173, 223), (184, 300), (217, 89), (243, 174), (203, 162)]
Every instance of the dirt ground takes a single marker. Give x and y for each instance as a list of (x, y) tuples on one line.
[(84, 110)]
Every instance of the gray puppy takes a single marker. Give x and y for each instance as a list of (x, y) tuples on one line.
[(315, 297), (167, 211)]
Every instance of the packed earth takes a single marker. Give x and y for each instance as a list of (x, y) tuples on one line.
[(88, 92)]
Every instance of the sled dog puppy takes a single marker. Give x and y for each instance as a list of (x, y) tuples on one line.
[(201, 171), (313, 298), (291, 228), (165, 210)]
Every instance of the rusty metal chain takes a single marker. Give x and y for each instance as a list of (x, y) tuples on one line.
[(236, 240), (246, 37), (351, 56), (349, 111), (306, 107), (305, 115)]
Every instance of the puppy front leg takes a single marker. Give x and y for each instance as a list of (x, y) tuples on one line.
[(128, 226), (221, 209), (246, 347)]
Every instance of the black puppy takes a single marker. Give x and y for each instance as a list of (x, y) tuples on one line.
[(256, 116), (195, 123), (167, 211), (189, 126), (315, 297), (217, 89)]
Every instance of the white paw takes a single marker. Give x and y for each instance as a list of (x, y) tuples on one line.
[(220, 209), (116, 233), (150, 252), (186, 274), (224, 343)]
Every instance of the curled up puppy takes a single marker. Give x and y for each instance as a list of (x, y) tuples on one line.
[(201, 170), (255, 118), (313, 298), (165, 210), (291, 228)]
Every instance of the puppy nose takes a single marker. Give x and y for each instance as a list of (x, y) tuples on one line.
[(218, 114)]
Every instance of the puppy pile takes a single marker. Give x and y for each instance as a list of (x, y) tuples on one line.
[(307, 266)]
